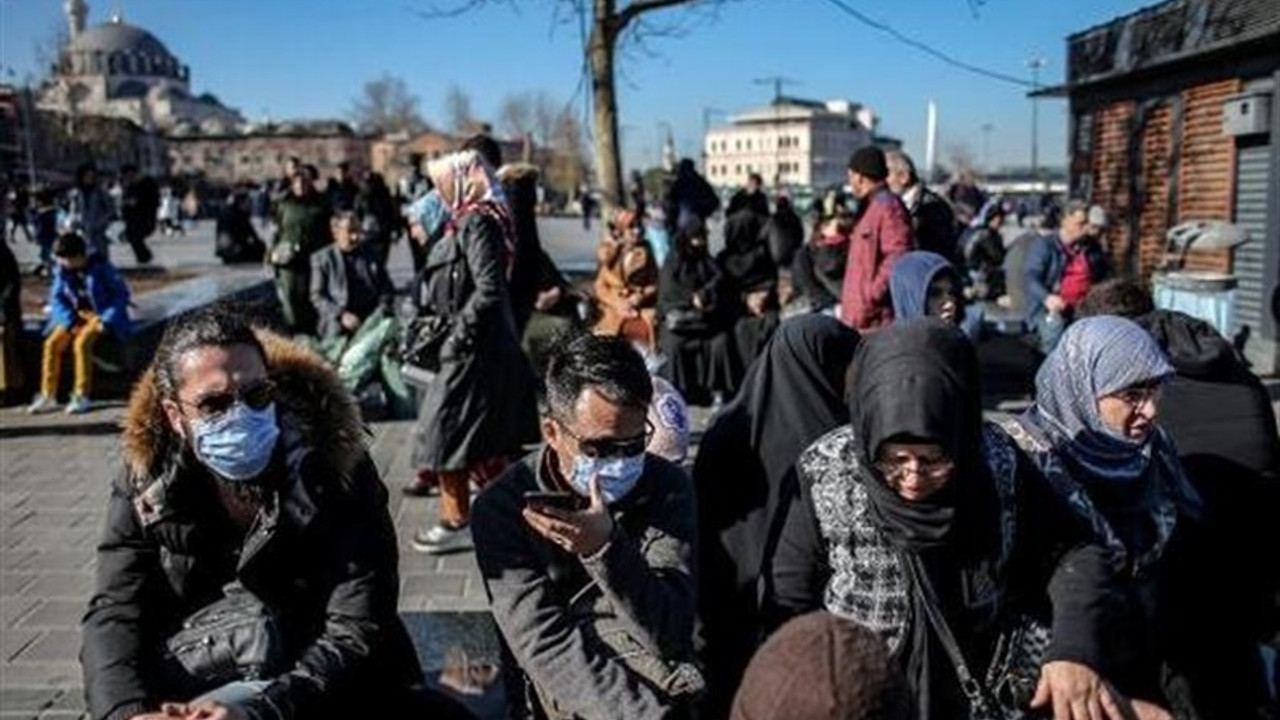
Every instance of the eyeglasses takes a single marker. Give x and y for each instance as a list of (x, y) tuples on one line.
[(256, 395), (929, 467), (610, 447), (1136, 397)]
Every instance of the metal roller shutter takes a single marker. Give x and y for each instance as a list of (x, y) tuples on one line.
[(1253, 175)]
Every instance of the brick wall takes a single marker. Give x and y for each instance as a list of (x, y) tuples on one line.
[(1153, 218), (1206, 173), (1112, 126)]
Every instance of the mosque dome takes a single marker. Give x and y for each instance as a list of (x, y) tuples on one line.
[(119, 37)]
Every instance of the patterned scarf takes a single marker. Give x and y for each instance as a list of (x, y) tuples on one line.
[(1097, 356), (467, 184)]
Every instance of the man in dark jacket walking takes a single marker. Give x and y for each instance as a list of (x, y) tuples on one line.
[(932, 219), (586, 550), (247, 497), (139, 203)]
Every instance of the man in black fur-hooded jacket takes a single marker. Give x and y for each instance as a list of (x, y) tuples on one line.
[(246, 474)]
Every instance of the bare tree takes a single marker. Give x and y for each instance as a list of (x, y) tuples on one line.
[(457, 110), (607, 24), (546, 113), (47, 50), (515, 115), (566, 166), (385, 105)]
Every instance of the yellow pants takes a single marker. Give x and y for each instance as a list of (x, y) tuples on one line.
[(81, 338)]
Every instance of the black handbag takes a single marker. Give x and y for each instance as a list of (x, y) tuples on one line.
[(235, 638), (1006, 691), (423, 341)]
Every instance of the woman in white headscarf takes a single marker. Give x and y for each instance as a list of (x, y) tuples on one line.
[(479, 408)]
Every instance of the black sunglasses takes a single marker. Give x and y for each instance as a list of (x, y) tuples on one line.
[(604, 448), (257, 396)]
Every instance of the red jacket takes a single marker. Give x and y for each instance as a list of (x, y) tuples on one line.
[(882, 235)]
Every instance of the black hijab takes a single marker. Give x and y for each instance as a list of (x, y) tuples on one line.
[(792, 395), (919, 380), (745, 476), (687, 270)]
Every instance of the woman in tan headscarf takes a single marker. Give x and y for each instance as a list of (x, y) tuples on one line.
[(626, 284)]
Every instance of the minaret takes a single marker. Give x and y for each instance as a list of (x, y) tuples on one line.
[(669, 152), (77, 11)]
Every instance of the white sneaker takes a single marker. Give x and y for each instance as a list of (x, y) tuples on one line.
[(42, 403), (79, 405), (440, 540)]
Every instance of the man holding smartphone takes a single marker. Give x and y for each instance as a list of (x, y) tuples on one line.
[(586, 550)]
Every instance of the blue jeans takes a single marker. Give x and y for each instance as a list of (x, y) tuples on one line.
[(235, 693), (1048, 328)]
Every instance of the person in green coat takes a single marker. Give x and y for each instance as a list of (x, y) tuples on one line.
[(303, 222)]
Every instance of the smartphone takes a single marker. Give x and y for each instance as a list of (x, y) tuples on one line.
[(536, 500)]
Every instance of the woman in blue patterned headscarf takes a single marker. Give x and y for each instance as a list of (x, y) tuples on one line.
[(1093, 434)]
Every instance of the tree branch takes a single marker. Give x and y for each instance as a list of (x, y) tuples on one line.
[(435, 12), (639, 7)]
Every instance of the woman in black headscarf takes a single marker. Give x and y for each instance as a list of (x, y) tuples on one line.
[(914, 521), (745, 471), (693, 333)]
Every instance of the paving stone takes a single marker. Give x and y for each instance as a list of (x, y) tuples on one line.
[(52, 646), (40, 675), (13, 642), (70, 700), (13, 608), (58, 560), (22, 699), (461, 562), (447, 604), (54, 614), (61, 585), (434, 584), (14, 583)]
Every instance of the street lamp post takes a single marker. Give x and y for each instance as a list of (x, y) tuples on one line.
[(986, 146), (1035, 64)]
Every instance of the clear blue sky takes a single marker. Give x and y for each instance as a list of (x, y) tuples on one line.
[(309, 58)]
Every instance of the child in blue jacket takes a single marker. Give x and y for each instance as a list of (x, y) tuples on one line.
[(87, 298)]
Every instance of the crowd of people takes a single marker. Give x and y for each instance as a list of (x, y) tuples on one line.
[(854, 537)]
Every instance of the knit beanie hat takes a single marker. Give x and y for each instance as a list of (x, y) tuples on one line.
[(869, 162), (822, 667)]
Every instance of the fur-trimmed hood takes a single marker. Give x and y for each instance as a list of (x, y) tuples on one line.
[(316, 413)]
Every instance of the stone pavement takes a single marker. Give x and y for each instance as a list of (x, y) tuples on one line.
[(54, 474)]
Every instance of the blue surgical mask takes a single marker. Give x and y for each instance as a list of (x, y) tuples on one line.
[(618, 475), (431, 212), (237, 444)]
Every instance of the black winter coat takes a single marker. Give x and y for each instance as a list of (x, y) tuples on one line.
[(481, 405), (1220, 418), (321, 556)]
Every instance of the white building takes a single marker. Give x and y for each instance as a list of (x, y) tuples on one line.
[(120, 70), (789, 142)]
